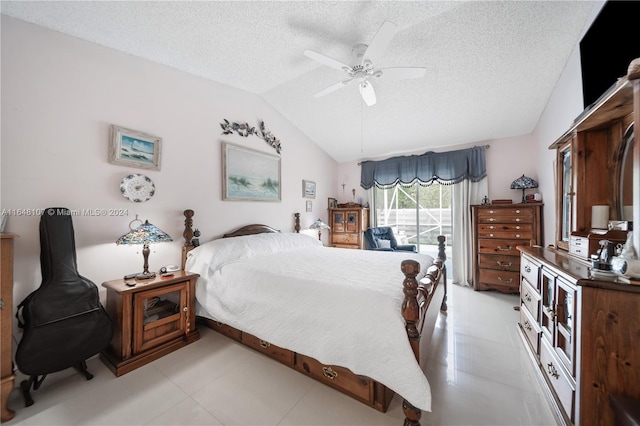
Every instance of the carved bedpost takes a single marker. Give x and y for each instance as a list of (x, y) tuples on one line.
[(411, 315), (442, 255), (188, 235), (188, 232), (410, 307), (411, 414), (296, 219)]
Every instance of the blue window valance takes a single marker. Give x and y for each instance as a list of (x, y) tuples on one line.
[(443, 167)]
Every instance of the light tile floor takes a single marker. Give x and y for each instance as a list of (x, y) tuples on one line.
[(478, 371)]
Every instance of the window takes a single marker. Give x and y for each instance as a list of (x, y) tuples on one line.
[(417, 214)]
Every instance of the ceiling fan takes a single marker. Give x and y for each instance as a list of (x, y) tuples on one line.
[(365, 70)]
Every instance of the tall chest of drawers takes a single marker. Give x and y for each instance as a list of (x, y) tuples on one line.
[(497, 230)]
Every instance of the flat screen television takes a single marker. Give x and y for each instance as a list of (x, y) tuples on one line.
[(607, 48)]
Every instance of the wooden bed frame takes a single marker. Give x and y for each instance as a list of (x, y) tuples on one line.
[(418, 311)]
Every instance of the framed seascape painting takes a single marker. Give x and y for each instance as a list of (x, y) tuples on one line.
[(249, 175), (134, 149)]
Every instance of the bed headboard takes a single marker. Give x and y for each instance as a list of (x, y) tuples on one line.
[(245, 230)]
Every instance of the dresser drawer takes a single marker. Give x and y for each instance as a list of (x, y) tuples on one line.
[(557, 378), (339, 238), (501, 280), (529, 270), (511, 231), (360, 387), (505, 215), (530, 298), (503, 247), (531, 329), (499, 262), (285, 356)]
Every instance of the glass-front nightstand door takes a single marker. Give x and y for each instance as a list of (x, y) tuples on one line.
[(159, 315)]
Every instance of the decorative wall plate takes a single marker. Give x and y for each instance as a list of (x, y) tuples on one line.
[(137, 188)]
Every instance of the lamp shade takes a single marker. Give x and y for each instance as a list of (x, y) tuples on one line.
[(524, 182), (144, 234), (319, 225)]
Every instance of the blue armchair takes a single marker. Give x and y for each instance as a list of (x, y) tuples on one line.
[(382, 239)]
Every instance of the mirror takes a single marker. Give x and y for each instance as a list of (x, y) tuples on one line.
[(624, 166)]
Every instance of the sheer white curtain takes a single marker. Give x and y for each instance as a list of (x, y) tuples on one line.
[(464, 194)]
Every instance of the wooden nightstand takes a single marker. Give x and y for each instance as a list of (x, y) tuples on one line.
[(152, 319)]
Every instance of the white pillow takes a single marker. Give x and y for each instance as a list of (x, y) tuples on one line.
[(217, 253), (384, 243)]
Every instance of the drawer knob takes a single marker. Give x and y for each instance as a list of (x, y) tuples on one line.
[(518, 219), (527, 297), (527, 326), (491, 235), (504, 265), (517, 211), (552, 371), (492, 227), (329, 373), (499, 248), (518, 226), (509, 281), (518, 235), (491, 219), (527, 269), (264, 344)]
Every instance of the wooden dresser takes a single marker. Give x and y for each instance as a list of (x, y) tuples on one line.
[(582, 334), (497, 230), (6, 316), (347, 226)]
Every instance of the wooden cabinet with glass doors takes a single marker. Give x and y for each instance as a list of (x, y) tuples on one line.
[(347, 225)]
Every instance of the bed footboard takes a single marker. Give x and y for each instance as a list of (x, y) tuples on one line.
[(419, 312)]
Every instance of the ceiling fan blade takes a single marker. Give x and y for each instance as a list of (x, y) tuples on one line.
[(380, 42), (325, 60), (333, 88), (402, 73), (367, 92)]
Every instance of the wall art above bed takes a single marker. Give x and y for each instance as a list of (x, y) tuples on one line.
[(244, 129), (249, 175)]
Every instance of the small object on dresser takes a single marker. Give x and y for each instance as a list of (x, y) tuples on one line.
[(130, 276), (130, 283)]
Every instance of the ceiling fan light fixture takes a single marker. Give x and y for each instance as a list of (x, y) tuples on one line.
[(365, 69)]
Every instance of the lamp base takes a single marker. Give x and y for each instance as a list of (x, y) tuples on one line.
[(145, 275)]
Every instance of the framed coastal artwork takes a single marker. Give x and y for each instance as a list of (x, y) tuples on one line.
[(134, 149), (249, 175)]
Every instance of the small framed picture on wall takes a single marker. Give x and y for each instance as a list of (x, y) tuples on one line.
[(308, 189)]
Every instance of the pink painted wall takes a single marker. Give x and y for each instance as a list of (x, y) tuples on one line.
[(59, 97)]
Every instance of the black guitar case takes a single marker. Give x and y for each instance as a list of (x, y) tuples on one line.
[(63, 321)]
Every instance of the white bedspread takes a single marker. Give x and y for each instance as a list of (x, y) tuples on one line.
[(339, 306)]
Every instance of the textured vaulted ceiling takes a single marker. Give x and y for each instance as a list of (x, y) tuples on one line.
[(491, 66)]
